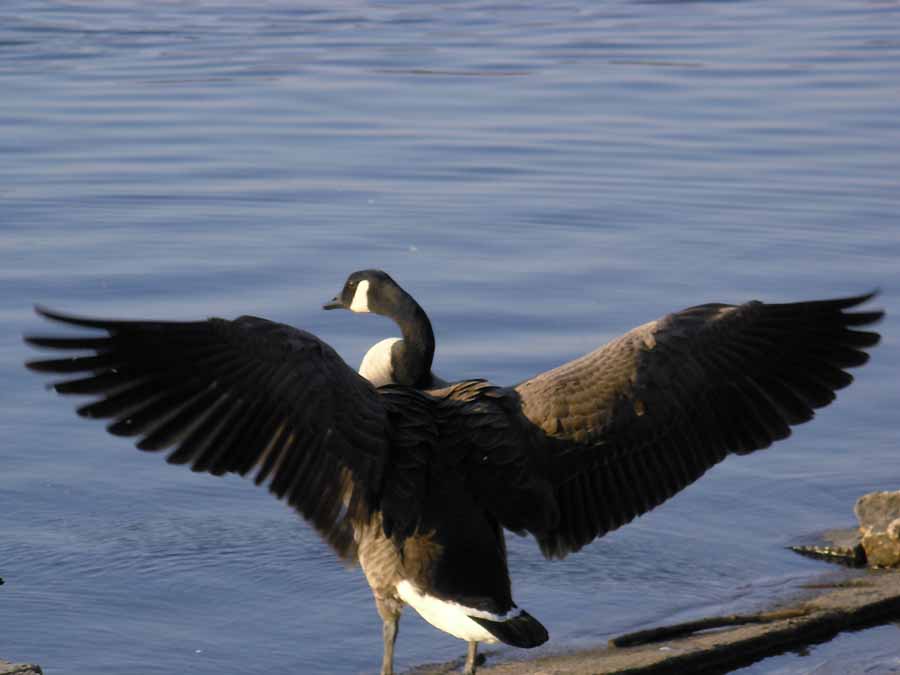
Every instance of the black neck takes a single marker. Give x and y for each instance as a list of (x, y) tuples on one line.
[(411, 359)]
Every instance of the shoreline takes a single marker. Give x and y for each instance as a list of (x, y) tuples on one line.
[(815, 614)]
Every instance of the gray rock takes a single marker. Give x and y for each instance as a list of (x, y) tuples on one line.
[(881, 550), (893, 529), (845, 538), (876, 510), (7, 668), (840, 546), (879, 524)]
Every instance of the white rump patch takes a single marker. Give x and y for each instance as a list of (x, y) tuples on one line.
[(451, 617), (361, 297), (376, 364)]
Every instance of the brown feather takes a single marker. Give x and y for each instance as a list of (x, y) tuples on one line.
[(673, 397)]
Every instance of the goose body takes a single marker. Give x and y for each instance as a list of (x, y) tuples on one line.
[(416, 479)]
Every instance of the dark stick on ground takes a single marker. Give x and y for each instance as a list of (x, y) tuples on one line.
[(643, 637)]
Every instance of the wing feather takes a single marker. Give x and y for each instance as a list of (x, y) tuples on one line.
[(625, 427), (234, 396)]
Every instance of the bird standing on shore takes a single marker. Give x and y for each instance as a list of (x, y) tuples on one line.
[(416, 479)]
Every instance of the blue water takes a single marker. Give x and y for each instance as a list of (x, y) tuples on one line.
[(542, 178)]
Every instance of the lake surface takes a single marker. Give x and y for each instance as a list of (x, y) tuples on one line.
[(541, 178)]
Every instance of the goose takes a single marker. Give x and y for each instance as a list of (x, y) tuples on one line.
[(418, 485)]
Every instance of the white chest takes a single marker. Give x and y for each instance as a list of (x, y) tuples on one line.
[(376, 364)]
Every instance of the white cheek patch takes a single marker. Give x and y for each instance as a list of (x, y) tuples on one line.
[(361, 297)]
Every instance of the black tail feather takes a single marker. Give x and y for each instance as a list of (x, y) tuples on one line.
[(522, 630)]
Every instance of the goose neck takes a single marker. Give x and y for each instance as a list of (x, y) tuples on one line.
[(416, 352)]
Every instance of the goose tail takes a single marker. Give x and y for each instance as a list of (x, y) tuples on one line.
[(520, 630)]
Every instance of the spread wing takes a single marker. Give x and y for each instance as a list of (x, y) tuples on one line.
[(627, 426), (243, 396), (568, 455)]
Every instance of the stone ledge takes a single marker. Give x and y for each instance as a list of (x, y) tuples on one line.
[(879, 524), (7, 668)]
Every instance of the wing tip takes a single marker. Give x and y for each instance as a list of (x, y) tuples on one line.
[(71, 319), (52, 315), (854, 300), (857, 300), (45, 366), (36, 366)]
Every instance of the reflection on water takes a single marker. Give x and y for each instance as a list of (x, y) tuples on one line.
[(869, 651), (542, 179)]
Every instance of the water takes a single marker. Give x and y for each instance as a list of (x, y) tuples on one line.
[(541, 178), (841, 656)]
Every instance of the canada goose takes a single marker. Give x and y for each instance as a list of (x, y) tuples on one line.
[(418, 485)]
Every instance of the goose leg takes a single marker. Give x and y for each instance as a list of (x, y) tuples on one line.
[(390, 624), (471, 659)]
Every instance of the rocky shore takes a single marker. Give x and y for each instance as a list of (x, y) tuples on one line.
[(854, 604), (875, 543), (7, 668)]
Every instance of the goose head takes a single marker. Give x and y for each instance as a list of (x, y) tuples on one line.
[(372, 291), (405, 360)]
